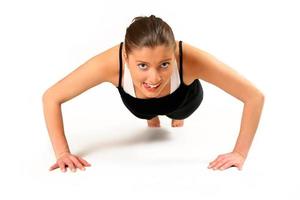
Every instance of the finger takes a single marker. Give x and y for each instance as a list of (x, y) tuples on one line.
[(212, 163), (53, 167), (226, 165), (62, 166), (220, 163), (77, 163), (215, 162), (70, 165), (219, 158), (84, 162)]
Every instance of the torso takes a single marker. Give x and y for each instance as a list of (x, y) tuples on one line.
[(187, 78)]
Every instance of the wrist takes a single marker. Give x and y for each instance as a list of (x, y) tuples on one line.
[(62, 153), (244, 155)]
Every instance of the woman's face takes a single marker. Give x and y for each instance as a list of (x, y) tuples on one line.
[(151, 69)]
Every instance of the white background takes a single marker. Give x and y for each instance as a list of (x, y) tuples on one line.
[(43, 41)]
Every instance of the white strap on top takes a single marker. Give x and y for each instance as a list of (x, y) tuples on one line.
[(175, 78), (128, 84)]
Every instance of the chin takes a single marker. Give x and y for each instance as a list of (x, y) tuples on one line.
[(151, 95)]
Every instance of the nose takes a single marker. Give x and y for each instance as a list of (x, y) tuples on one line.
[(154, 77)]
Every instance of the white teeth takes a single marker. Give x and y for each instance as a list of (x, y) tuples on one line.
[(152, 86)]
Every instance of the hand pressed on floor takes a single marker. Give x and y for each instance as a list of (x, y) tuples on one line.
[(224, 161), (71, 161)]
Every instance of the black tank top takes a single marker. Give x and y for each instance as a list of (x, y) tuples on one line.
[(148, 108)]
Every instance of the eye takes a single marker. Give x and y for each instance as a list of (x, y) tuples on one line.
[(142, 65), (166, 64)]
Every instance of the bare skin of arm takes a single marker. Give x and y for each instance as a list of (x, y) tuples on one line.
[(204, 66), (96, 70)]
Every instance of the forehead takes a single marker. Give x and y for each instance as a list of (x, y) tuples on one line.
[(152, 53)]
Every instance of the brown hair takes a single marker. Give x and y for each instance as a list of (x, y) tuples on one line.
[(148, 32)]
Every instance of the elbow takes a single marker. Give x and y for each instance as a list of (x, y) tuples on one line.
[(258, 97), (47, 96), (51, 96), (255, 96), (261, 96), (260, 100)]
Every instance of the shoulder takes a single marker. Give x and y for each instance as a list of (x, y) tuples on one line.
[(96, 70), (111, 57), (196, 62), (202, 65)]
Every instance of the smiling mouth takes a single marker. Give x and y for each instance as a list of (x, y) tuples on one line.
[(150, 86)]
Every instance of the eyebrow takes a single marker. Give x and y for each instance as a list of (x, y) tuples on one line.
[(160, 61)]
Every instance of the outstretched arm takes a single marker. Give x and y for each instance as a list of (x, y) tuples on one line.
[(98, 69), (249, 123), (206, 67)]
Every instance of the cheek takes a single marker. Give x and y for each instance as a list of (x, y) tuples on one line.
[(138, 77), (166, 75), (169, 73)]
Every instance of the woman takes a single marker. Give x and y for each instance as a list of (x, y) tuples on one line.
[(155, 75)]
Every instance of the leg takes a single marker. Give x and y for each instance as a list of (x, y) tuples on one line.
[(177, 122), (154, 122)]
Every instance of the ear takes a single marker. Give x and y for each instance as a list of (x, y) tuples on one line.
[(125, 56)]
